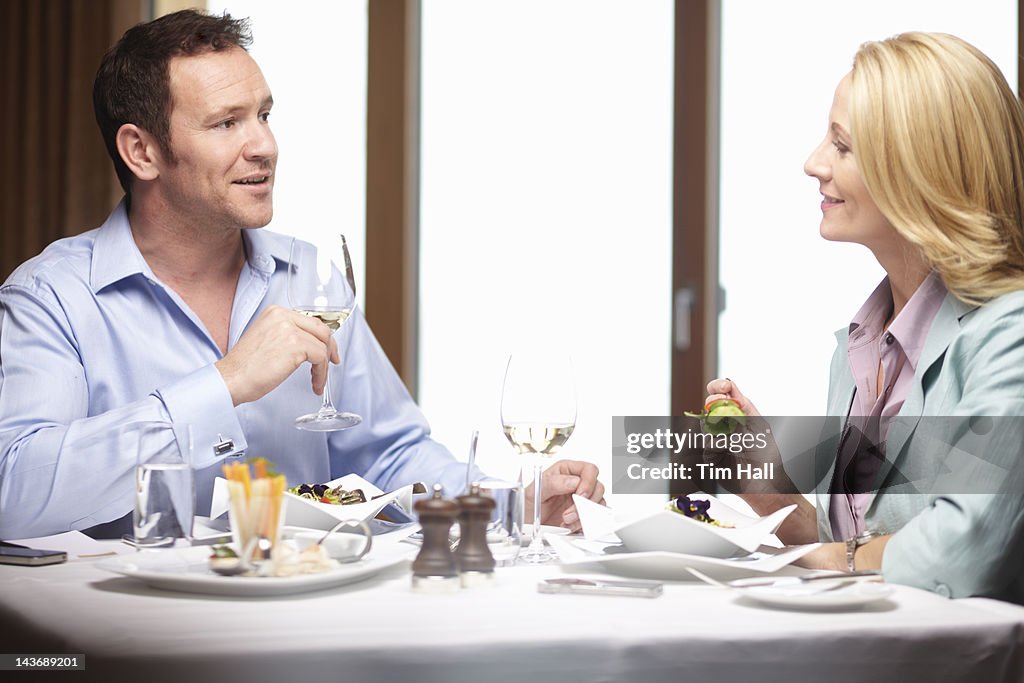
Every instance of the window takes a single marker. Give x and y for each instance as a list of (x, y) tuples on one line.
[(787, 289), (315, 63), (545, 210)]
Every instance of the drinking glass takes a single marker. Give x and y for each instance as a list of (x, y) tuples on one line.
[(505, 527), (538, 415), (165, 496), (317, 288)]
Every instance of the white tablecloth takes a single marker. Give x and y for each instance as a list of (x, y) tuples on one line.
[(379, 630)]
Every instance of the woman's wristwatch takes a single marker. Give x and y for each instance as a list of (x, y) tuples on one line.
[(857, 541)]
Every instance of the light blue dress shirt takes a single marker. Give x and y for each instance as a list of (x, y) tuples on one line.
[(94, 350)]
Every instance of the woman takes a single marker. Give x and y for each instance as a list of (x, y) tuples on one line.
[(923, 163)]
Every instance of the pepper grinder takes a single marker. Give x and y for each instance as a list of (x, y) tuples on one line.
[(433, 570), (473, 556)]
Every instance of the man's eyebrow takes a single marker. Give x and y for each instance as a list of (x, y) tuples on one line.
[(230, 110)]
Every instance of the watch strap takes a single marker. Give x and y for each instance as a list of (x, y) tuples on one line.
[(855, 542)]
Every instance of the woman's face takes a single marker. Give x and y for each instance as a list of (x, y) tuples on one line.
[(849, 214)]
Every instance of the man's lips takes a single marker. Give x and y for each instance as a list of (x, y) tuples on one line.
[(257, 180)]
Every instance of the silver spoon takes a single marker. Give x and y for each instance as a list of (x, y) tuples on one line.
[(354, 523)]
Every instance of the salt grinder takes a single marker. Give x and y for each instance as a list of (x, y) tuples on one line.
[(473, 556), (433, 570)]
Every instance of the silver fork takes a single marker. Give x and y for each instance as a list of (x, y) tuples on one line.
[(841, 583)]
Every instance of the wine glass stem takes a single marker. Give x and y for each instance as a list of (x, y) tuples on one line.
[(327, 404), (537, 542)]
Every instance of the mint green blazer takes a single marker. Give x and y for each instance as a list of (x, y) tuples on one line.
[(950, 538)]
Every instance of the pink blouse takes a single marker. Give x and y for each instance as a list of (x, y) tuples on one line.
[(898, 349)]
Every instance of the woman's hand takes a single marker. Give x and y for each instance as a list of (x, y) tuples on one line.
[(726, 388), (765, 496), (832, 556)]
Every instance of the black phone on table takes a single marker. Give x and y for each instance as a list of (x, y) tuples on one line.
[(30, 557)]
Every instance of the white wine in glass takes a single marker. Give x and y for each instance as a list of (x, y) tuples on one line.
[(538, 415), (318, 289)]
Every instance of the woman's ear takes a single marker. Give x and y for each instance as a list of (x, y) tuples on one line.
[(139, 151)]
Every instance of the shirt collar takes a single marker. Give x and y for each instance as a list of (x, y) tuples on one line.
[(266, 249), (115, 255), (910, 328), (872, 315)]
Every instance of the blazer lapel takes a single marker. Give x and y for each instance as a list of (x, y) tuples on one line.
[(840, 394), (944, 329)]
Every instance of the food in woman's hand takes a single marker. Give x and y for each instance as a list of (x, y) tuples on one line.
[(695, 509), (322, 493), (720, 416)]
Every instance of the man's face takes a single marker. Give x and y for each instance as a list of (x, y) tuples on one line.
[(222, 175)]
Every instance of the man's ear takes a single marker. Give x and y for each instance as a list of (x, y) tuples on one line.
[(139, 151)]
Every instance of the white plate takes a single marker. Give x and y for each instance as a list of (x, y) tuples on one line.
[(187, 571), (666, 566), (814, 596), (545, 529)]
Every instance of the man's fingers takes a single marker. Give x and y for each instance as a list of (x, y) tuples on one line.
[(559, 485)]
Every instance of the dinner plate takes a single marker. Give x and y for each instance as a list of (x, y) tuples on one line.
[(186, 571), (816, 596), (546, 530), (667, 566)]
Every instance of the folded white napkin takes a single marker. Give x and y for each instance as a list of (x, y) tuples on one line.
[(670, 531), (313, 515)]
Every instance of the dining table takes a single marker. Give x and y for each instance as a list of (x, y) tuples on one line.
[(379, 629)]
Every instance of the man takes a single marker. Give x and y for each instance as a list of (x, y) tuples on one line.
[(169, 314)]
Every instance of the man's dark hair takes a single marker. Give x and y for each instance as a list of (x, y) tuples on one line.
[(133, 82)]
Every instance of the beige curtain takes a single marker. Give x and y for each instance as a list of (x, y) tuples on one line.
[(56, 177)]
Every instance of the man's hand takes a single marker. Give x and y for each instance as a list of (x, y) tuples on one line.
[(277, 343), (558, 483)]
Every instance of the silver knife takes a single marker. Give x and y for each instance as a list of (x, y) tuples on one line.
[(793, 580)]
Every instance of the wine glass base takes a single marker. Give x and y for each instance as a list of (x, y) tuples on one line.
[(327, 421), (542, 557), (537, 552)]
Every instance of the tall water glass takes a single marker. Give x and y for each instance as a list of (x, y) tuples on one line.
[(165, 496)]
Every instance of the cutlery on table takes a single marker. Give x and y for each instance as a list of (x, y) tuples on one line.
[(841, 580)]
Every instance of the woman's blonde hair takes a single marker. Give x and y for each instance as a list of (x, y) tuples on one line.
[(939, 139)]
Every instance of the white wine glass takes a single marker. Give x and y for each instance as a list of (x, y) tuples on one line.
[(318, 289), (538, 415)]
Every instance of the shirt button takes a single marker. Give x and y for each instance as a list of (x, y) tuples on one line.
[(889, 339), (943, 590)]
